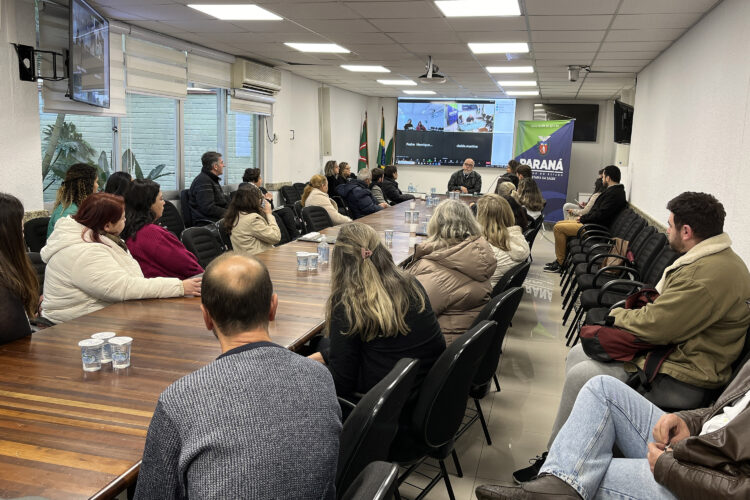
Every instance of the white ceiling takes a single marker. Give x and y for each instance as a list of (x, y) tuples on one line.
[(608, 35)]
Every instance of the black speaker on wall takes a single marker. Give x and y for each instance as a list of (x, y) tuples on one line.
[(26, 63)]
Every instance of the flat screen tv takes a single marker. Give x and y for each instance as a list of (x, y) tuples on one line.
[(88, 66), (623, 122), (586, 116)]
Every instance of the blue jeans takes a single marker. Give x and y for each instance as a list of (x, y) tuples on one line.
[(607, 412)]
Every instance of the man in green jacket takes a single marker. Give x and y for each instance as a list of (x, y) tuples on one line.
[(702, 309)]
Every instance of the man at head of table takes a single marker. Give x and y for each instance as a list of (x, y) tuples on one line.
[(260, 421), (466, 180)]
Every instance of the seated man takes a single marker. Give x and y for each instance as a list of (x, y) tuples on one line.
[(605, 209), (690, 454), (390, 187), (258, 422), (207, 200), (466, 180), (358, 196), (702, 310)]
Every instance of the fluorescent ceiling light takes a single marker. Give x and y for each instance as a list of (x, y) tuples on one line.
[(538, 105), (519, 83), (365, 69), (499, 48), (397, 82), (522, 92), (419, 92), (510, 69), (478, 8), (317, 47), (236, 12)]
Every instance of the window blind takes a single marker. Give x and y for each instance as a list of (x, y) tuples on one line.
[(243, 101), (209, 72), (155, 69)]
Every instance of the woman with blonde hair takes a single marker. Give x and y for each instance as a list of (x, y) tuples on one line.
[(331, 171), (316, 195), (454, 265), (80, 181), (376, 315), (530, 197), (251, 226), (499, 228), (506, 188)]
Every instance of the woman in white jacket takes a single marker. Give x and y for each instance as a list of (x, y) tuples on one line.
[(505, 238), (316, 195), (250, 222), (89, 266)]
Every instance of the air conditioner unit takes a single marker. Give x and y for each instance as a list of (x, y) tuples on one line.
[(257, 77)]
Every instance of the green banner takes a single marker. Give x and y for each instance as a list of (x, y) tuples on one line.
[(529, 133)]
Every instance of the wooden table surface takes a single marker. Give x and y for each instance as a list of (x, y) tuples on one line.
[(66, 433)]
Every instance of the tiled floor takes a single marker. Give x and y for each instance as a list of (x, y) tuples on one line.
[(531, 375)]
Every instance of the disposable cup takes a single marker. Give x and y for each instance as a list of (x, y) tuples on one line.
[(389, 237), (415, 217), (412, 204), (106, 348), (407, 216), (303, 260), (121, 351), (433, 190), (91, 354), (312, 261)]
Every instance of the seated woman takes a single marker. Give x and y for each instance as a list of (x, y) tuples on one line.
[(89, 266), (118, 183), (499, 228), (376, 185), (393, 319), (251, 226), (506, 188), (80, 181), (530, 197), (19, 287), (331, 171), (454, 265), (252, 176), (519, 213), (574, 210), (316, 195), (158, 252), (345, 172)]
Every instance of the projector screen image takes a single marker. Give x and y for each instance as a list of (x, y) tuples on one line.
[(446, 132)]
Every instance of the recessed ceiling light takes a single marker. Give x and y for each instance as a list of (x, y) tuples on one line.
[(317, 47), (519, 83), (510, 69), (538, 105), (236, 12), (478, 8), (499, 48), (522, 92), (419, 92), (397, 82), (365, 69)]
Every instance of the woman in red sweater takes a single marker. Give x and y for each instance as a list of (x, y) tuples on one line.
[(158, 252)]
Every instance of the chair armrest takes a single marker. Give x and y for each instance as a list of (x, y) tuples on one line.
[(597, 246), (591, 226), (625, 270), (617, 305), (602, 256), (618, 282)]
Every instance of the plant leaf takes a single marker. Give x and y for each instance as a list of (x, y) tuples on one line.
[(154, 173)]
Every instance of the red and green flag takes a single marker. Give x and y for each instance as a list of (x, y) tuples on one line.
[(363, 156)]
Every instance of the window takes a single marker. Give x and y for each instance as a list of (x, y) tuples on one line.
[(201, 132), (242, 145), (148, 139)]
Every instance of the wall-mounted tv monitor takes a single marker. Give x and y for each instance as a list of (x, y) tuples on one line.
[(623, 122), (447, 131), (586, 116), (88, 66)]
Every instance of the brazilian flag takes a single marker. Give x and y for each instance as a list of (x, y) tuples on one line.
[(381, 145)]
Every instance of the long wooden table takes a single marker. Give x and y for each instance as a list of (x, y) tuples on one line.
[(66, 433)]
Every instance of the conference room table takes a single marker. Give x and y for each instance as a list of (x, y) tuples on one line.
[(66, 433)]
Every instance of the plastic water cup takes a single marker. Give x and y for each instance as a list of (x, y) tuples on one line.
[(121, 351), (302, 261), (433, 190), (412, 204), (106, 348), (415, 217), (423, 227), (389, 237), (91, 354), (312, 261), (407, 217)]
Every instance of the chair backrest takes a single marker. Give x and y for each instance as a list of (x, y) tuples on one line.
[(632, 230), (290, 221), (742, 359), (376, 482), (300, 188), (501, 310), (35, 233), (224, 238), (648, 251), (39, 268), (341, 202), (289, 195), (285, 238), (171, 219), (441, 403), (202, 243), (372, 425), (316, 218), (187, 216), (663, 260), (514, 277), (640, 238), (624, 218)]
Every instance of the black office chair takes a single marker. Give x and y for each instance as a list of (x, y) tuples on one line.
[(300, 188), (343, 207), (376, 482), (428, 426), (226, 241), (187, 216), (289, 195), (35, 233), (371, 426), (297, 207), (171, 219), (316, 219), (39, 268), (202, 243), (291, 222), (514, 277), (285, 238), (501, 310)]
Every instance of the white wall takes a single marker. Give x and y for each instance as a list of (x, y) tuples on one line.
[(691, 128), (20, 143)]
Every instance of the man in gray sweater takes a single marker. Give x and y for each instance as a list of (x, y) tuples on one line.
[(258, 422)]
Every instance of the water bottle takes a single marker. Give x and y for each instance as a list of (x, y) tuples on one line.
[(323, 251), (411, 187)]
